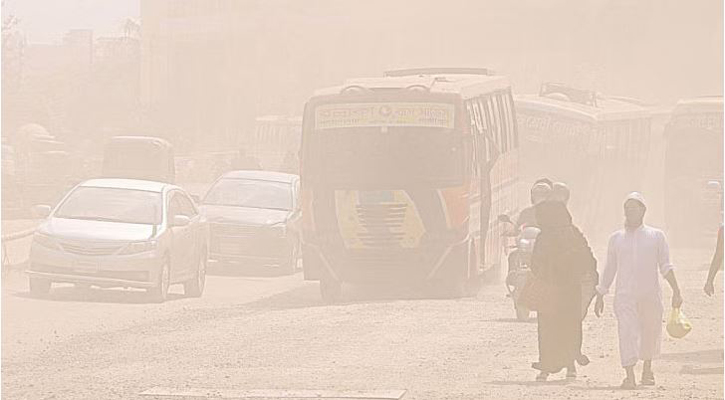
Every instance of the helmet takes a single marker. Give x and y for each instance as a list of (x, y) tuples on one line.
[(540, 192), (560, 192)]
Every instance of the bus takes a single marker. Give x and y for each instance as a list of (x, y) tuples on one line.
[(139, 157), (400, 176), (597, 145), (276, 143), (693, 175), (41, 169)]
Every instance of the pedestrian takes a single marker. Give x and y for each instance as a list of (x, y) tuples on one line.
[(715, 265), (635, 256), (560, 192), (562, 259)]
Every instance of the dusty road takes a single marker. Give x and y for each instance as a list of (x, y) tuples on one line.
[(274, 333)]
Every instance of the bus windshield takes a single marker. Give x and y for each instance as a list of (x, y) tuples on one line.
[(694, 154), (393, 155), (385, 143), (138, 160)]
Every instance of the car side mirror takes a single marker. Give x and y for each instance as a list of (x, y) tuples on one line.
[(180, 221), (504, 219), (41, 211)]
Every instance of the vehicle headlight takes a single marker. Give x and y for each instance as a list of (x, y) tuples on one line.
[(139, 247), (45, 241)]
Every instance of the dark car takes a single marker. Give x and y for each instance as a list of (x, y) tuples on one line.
[(253, 217)]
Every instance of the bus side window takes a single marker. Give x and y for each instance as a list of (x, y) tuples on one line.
[(504, 118), (495, 124), (477, 137), (471, 118), (499, 123), (511, 120), (486, 149)]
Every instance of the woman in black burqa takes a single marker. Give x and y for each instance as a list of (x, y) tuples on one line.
[(561, 258)]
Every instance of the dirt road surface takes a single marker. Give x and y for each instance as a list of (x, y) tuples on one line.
[(250, 333)]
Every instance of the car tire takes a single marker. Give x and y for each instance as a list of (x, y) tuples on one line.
[(522, 313), (453, 288), (39, 287), (195, 286), (294, 261), (159, 293), (331, 291)]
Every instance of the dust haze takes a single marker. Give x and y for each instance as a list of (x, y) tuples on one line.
[(371, 200)]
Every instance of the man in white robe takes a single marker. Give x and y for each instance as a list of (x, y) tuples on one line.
[(636, 256)]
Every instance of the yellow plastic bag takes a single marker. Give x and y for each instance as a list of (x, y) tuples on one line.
[(678, 326)]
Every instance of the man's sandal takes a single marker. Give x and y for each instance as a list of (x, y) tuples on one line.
[(648, 378)]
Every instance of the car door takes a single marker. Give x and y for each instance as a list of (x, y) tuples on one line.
[(295, 218), (195, 234), (181, 240)]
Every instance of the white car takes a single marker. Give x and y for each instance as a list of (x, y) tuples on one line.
[(121, 233)]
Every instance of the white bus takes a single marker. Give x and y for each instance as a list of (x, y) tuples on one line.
[(597, 145), (276, 143), (693, 176), (403, 177)]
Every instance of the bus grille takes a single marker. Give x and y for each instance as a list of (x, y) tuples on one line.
[(382, 224)]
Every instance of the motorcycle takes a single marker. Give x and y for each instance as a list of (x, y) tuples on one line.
[(519, 264)]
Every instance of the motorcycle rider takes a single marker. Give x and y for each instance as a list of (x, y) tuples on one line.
[(541, 191)]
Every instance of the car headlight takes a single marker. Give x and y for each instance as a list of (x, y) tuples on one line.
[(139, 247), (45, 241)]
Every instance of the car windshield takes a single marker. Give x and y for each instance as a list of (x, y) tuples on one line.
[(113, 205), (251, 193)]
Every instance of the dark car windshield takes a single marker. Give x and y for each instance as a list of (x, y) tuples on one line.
[(251, 193), (113, 205)]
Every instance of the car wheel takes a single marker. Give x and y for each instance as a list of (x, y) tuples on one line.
[(195, 286), (522, 313), (294, 260), (39, 287), (453, 288), (161, 291)]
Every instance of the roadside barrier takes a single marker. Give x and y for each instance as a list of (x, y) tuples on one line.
[(7, 265)]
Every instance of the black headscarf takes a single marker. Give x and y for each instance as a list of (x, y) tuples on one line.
[(561, 251), (552, 215)]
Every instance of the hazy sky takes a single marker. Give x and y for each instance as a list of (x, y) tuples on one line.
[(45, 21)]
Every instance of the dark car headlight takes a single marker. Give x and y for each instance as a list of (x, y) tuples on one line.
[(46, 241)]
